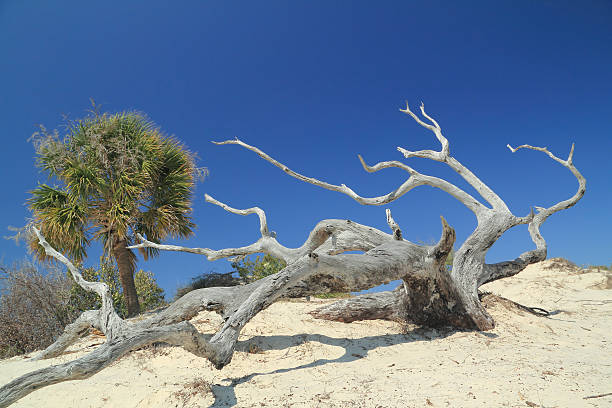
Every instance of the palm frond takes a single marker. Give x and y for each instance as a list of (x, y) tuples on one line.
[(62, 220), (120, 174)]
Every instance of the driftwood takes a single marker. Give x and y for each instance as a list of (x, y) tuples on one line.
[(430, 294)]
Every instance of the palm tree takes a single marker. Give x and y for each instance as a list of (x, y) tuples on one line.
[(118, 175)]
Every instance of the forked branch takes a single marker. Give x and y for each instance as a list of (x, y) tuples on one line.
[(346, 236), (501, 270), (267, 243), (444, 156), (544, 213), (416, 179)]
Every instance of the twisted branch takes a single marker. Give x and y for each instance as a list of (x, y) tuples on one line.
[(263, 224), (114, 323), (429, 292), (416, 179), (267, 242), (444, 156), (506, 269)]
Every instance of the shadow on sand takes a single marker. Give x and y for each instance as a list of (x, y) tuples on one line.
[(354, 349)]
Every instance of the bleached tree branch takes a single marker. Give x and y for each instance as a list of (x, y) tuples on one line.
[(269, 244), (510, 268), (181, 334), (397, 232), (357, 271), (370, 306), (73, 332), (416, 179), (468, 264), (107, 311), (435, 128), (544, 213), (263, 224), (444, 156)]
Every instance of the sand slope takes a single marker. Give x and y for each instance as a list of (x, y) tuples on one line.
[(287, 358)]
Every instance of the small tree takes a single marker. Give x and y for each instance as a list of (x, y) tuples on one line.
[(150, 295), (119, 175)]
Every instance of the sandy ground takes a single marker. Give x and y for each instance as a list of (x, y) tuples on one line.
[(286, 358)]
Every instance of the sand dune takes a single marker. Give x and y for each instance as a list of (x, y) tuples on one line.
[(286, 358)]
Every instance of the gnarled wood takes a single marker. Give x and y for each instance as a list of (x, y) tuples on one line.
[(469, 270), (371, 306), (429, 295)]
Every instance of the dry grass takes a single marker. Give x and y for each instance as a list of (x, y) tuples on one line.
[(33, 307), (561, 264), (198, 387), (333, 295)]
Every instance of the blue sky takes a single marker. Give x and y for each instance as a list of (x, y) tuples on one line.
[(314, 84)]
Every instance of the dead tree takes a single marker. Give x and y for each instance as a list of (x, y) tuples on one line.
[(430, 294)]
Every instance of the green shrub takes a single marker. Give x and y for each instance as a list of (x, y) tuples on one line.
[(150, 295), (246, 270), (251, 270), (209, 280)]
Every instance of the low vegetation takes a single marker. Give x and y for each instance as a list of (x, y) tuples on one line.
[(150, 295), (333, 295), (33, 307), (37, 302)]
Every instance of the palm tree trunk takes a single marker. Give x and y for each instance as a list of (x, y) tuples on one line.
[(125, 262)]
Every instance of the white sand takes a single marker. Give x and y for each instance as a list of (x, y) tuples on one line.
[(303, 362)]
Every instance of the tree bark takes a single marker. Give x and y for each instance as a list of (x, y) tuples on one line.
[(126, 266)]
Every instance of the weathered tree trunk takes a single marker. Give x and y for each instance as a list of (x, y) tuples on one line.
[(430, 294), (125, 264)]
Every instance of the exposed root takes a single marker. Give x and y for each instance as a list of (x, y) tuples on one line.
[(489, 300)]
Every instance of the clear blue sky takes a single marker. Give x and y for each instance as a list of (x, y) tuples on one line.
[(314, 83)]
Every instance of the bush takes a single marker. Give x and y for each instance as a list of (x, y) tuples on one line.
[(150, 296), (247, 270), (252, 270), (33, 307), (209, 280), (37, 303)]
